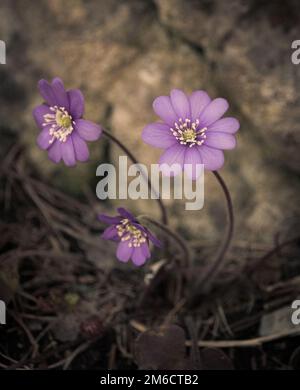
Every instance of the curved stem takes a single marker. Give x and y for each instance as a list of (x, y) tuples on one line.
[(110, 136), (204, 283), (254, 264), (187, 255)]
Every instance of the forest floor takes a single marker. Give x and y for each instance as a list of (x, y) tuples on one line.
[(72, 306)]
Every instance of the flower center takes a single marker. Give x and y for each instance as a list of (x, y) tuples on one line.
[(128, 232), (188, 132), (189, 135), (61, 124)]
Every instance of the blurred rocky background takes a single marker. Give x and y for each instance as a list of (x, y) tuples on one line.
[(124, 53)]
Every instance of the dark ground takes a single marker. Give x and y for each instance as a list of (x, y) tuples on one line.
[(67, 309)]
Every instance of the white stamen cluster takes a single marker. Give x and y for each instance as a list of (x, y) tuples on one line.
[(187, 133), (130, 233), (61, 124)]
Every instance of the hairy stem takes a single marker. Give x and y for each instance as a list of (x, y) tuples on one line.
[(162, 208), (186, 253), (203, 285)]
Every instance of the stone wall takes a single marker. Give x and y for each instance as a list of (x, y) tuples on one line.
[(123, 54)]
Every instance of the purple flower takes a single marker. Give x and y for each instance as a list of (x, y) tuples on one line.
[(64, 132), (192, 131), (133, 238)]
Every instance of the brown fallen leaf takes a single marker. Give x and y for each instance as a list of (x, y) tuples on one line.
[(162, 349)]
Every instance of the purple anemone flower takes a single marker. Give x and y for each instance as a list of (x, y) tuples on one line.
[(192, 131), (133, 238), (64, 132)]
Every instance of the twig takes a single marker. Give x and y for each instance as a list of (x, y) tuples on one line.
[(75, 353), (35, 346), (255, 342)]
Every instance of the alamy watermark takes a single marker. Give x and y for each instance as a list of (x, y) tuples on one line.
[(295, 57), (2, 313), (2, 53), (117, 183), (296, 313)]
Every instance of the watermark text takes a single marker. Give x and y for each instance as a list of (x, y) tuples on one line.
[(167, 182)]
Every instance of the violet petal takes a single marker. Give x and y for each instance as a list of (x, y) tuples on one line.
[(198, 101), (43, 139), (191, 159), (76, 103), (47, 92), (68, 153), (110, 233), (225, 125), (108, 219), (213, 159), (158, 135), (145, 250), (88, 130), (153, 239), (126, 214), (162, 106), (54, 152), (38, 114), (60, 93), (180, 103), (124, 252), (80, 147), (173, 155), (138, 257), (220, 140), (213, 112)]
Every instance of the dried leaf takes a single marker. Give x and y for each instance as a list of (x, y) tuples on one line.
[(162, 349)]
